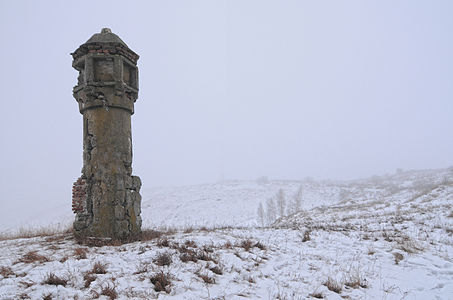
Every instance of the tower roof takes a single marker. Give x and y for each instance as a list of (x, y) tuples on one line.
[(105, 36), (105, 42)]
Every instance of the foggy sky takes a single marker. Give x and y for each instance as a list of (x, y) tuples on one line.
[(231, 90)]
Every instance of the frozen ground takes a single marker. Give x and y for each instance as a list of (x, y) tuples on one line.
[(378, 238)]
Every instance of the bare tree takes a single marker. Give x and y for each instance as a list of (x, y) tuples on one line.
[(271, 211), (298, 197), (260, 213), (281, 202), (295, 204)]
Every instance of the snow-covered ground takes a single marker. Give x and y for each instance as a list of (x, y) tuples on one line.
[(378, 238)]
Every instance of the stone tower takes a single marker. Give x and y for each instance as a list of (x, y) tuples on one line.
[(106, 197)]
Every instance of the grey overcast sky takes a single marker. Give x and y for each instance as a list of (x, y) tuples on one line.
[(231, 89)]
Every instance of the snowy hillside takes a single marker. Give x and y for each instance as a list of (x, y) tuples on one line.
[(378, 238)]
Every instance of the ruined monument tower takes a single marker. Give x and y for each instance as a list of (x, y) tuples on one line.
[(106, 197)]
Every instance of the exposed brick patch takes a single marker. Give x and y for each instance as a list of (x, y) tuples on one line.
[(79, 195)]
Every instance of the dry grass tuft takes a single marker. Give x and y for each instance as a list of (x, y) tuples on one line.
[(191, 244), (188, 256), (260, 246), (53, 279), (216, 270), (333, 285), (317, 295), (163, 259), (32, 256), (150, 234), (109, 291), (306, 236), (99, 268), (398, 257), (355, 281), (246, 244), (80, 253), (47, 296), (6, 272), (163, 242), (205, 277), (88, 279), (161, 282)]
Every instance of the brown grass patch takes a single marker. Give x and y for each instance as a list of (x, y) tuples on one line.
[(53, 279), (32, 256)]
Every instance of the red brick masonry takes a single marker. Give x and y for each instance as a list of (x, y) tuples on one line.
[(79, 195)]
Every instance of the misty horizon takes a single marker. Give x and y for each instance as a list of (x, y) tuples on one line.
[(232, 90)]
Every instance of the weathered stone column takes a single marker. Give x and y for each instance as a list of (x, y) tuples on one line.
[(106, 197)]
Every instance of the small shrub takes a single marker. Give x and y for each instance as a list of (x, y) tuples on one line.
[(32, 256), (161, 282), (163, 259), (99, 268), (80, 253), (6, 272), (53, 279), (333, 285)]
